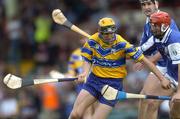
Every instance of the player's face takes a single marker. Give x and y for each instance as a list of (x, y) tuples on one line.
[(108, 37), (149, 7), (156, 30)]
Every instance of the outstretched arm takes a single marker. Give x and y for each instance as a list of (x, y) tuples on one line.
[(144, 47), (139, 65)]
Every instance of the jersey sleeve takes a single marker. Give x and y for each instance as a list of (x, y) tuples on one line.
[(133, 52), (149, 43), (174, 52), (87, 52)]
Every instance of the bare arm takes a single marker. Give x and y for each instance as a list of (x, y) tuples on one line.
[(140, 65), (153, 68), (165, 83), (148, 44), (86, 67)]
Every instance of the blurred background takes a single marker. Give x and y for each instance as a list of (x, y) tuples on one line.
[(31, 45)]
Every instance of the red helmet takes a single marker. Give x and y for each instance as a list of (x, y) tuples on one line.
[(160, 18)]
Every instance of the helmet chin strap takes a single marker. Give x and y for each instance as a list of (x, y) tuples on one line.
[(164, 28)]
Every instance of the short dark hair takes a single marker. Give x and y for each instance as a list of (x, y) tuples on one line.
[(142, 1)]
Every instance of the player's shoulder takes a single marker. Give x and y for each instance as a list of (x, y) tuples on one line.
[(175, 32), (94, 37), (77, 51), (173, 21), (120, 38), (174, 36)]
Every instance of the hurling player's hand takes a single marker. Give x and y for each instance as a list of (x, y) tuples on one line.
[(81, 78), (166, 84)]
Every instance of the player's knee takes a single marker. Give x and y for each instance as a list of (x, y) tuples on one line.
[(152, 105), (142, 102), (175, 110), (75, 115)]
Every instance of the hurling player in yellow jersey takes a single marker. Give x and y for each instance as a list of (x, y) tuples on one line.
[(104, 63)]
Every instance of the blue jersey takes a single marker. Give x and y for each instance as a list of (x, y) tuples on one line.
[(169, 47), (147, 34)]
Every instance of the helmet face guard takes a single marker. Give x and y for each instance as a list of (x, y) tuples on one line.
[(108, 29), (108, 33)]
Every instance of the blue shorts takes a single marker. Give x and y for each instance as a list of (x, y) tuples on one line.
[(95, 84), (79, 87)]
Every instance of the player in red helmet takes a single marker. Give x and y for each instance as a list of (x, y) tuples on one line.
[(166, 41), (160, 20), (148, 109)]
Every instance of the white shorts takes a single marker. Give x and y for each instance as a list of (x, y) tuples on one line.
[(163, 70)]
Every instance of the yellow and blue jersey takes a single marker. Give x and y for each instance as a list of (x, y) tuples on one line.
[(109, 61), (75, 63)]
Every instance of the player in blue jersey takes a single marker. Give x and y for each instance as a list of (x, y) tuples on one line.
[(104, 57), (167, 41), (149, 108)]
